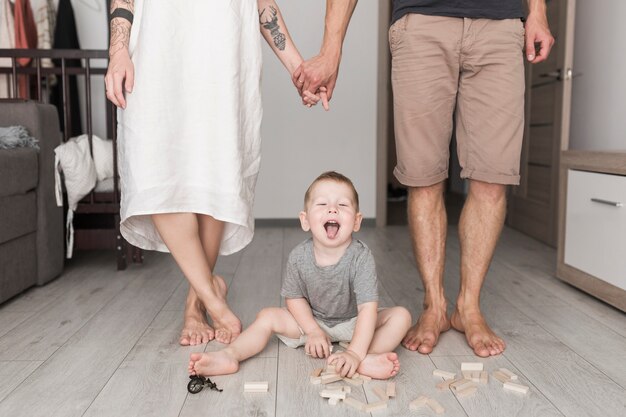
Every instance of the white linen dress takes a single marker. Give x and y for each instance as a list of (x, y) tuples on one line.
[(189, 138)]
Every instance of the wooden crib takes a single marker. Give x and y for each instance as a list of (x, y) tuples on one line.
[(97, 220)]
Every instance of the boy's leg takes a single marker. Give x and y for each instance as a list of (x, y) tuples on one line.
[(251, 341), (391, 326)]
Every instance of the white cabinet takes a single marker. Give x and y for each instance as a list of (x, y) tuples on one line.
[(595, 225), (592, 224)]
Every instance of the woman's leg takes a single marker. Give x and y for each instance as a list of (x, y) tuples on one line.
[(181, 234), (252, 341)]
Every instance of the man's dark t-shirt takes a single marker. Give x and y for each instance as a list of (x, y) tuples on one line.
[(489, 9)]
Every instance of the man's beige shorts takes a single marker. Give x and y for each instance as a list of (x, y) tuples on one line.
[(473, 66)]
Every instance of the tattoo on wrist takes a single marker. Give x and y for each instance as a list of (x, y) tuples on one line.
[(120, 37), (279, 38)]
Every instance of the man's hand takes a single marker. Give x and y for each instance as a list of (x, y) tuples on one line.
[(538, 35), (120, 77), (346, 363), (317, 344), (321, 70)]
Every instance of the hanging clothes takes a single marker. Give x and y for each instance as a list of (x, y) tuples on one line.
[(7, 41), (45, 18), (25, 37)]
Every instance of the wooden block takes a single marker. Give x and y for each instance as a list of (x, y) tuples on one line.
[(354, 403), (444, 374), (256, 386), (315, 380), (467, 391), (343, 388), (332, 393), (333, 401), (444, 385), (484, 377), (435, 406), (317, 372), (467, 374), (460, 384), (353, 381), (365, 378), (508, 373), (380, 405), (475, 376), (391, 389), (421, 401), (381, 393), (330, 378), (471, 366), (512, 386), (500, 376), (345, 345)]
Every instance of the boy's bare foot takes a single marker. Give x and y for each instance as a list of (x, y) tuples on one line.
[(423, 336), (479, 335), (196, 329), (380, 365), (212, 363), (227, 325)]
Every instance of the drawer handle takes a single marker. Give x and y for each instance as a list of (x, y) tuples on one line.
[(607, 202)]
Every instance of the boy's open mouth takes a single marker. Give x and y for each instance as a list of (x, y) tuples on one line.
[(332, 228)]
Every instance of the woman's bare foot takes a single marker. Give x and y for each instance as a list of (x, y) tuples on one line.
[(196, 329), (212, 363), (479, 335), (423, 336), (227, 325), (380, 365)]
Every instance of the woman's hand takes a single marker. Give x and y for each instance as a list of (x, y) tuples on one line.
[(120, 77)]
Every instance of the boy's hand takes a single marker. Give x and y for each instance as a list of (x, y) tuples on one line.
[(346, 363), (317, 344)]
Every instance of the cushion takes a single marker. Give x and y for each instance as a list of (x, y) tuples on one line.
[(19, 216), (78, 169), (102, 155), (19, 171)]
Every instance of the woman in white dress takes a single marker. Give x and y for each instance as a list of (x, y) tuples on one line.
[(186, 80)]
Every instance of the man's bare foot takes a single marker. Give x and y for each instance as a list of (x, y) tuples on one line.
[(196, 329), (227, 325), (380, 365), (212, 363), (479, 335), (423, 336)]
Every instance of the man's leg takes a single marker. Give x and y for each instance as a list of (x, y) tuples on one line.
[(428, 225), (480, 225)]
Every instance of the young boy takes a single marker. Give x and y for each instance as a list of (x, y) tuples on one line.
[(330, 290)]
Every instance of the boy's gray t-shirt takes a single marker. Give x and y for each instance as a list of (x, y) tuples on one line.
[(333, 291)]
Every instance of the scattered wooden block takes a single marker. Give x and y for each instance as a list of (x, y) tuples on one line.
[(315, 380), (391, 389), (333, 393), (467, 374), (341, 388), (345, 344), (354, 403), (508, 373), (475, 376), (471, 366), (444, 385), (500, 376), (444, 374), (317, 372), (467, 391), (484, 377), (333, 401), (256, 386), (420, 401), (353, 381), (435, 406), (365, 378), (512, 386), (381, 393), (461, 384), (330, 378), (380, 405)]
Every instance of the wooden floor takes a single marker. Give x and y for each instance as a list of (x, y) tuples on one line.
[(102, 343)]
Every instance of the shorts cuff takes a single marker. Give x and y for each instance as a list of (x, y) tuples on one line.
[(419, 182), (490, 177)]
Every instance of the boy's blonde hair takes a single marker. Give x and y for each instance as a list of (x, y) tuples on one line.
[(333, 176)]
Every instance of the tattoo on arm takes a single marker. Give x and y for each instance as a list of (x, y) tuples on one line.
[(272, 25), (124, 4), (120, 28)]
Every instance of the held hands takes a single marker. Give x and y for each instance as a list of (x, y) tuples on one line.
[(319, 75), (539, 40), (346, 362), (120, 77), (317, 344)]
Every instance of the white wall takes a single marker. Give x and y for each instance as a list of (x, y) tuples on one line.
[(599, 94), (301, 143)]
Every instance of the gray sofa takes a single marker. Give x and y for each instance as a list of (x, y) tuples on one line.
[(31, 224)]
